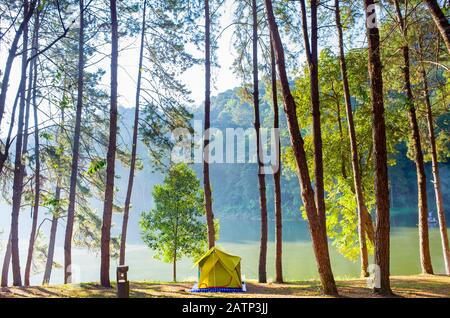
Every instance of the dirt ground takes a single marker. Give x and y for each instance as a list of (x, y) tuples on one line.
[(402, 286)]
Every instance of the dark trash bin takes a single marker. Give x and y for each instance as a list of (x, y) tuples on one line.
[(123, 285)]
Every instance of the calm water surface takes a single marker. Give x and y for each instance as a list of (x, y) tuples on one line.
[(242, 238)]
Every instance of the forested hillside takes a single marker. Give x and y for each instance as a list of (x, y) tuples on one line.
[(237, 191)]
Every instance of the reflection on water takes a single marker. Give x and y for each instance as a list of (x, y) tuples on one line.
[(242, 231), (242, 238)]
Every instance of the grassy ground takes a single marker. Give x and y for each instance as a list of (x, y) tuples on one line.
[(403, 286)]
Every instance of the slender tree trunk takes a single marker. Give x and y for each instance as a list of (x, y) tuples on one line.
[(174, 267), (56, 212), (437, 183), (37, 159), (425, 257), (354, 149), (111, 157), (133, 147), (206, 180), (75, 154), (3, 158), (27, 112), (5, 154), (51, 249), (313, 63), (440, 20), (382, 230), (261, 178), (175, 248), (341, 139), (25, 129), (28, 13), (6, 262), (319, 238), (277, 176), (435, 170), (317, 131), (18, 164)]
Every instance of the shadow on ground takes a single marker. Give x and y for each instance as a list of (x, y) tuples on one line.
[(402, 286)]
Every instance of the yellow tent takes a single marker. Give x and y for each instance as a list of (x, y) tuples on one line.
[(218, 269)]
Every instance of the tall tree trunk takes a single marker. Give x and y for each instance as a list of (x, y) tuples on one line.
[(123, 238), (425, 257), (6, 262), (319, 238), (75, 154), (313, 63), (37, 159), (435, 169), (56, 213), (27, 112), (382, 230), (27, 13), (354, 149), (5, 154), (206, 180), (111, 156), (51, 250), (262, 277), (277, 176), (341, 139), (440, 20), (18, 163), (437, 183)]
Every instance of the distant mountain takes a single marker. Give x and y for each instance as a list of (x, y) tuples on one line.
[(235, 186)]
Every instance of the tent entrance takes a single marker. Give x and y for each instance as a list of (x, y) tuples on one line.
[(219, 272)]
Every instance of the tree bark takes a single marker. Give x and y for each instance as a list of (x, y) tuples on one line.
[(368, 223), (75, 154), (6, 262), (313, 63), (435, 169), (354, 149), (320, 244), (111, 156), (341, 139), (51, 249), (175, 247), (28, 13), (37, 160), (18, 163), (123, 238), (262, 277), (5, 154), (277, 177), (56, 213), (174, 269), (437, 184), (440, 20), (206, 180), (425, 257), (382, 229)]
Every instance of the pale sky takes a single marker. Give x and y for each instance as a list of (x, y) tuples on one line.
[(223, 77)]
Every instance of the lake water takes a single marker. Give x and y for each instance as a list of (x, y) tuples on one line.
[(242, 238)]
